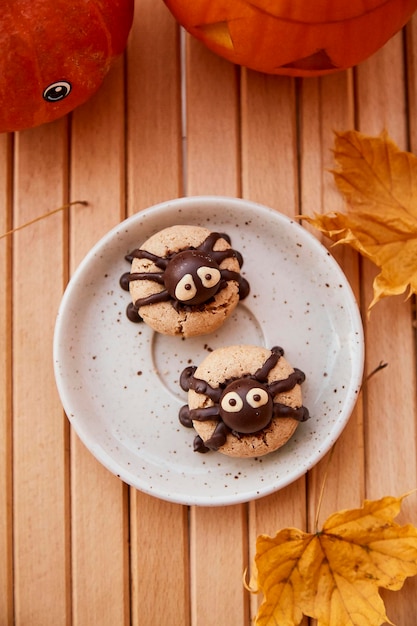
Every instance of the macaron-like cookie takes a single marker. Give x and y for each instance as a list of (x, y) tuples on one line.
[(243, 401), (185, 280)]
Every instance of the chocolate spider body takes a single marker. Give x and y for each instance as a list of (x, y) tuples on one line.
[(242, 405), (190, 277)]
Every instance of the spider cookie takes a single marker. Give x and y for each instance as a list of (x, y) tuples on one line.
[(184, 280), (243, 401)]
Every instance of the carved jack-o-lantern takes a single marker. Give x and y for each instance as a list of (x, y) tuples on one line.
[(293, 37), (54, 55)]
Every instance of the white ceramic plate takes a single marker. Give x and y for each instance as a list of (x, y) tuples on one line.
[(118, 381)]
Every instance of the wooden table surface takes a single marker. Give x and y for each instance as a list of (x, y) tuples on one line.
[(77, 545)]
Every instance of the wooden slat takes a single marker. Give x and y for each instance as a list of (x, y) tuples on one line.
[(159, 530), (160, 574), (411, 75), (40, 431), (218, 560), (212, 166), (390, 425), (6, 537), (268, 132), (99, 500), (327, 105), (154, 107), (78, 546), (212, 129)]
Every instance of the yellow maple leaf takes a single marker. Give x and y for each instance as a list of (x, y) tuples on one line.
[(334, 575), (379, 182)]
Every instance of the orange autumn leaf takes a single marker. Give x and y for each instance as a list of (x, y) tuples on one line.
[(379, 182), (334, 575)]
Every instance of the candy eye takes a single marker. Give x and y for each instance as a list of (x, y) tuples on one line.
[(209, 276), (257, 397), (232, 402), (57, 91), (185, 289)]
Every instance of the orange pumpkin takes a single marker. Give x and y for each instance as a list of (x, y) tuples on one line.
[(293, 37), (54, 55)]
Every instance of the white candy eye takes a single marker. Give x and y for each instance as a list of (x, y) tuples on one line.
[(209, 276), (232, 402), (257, 397), (185, 289)]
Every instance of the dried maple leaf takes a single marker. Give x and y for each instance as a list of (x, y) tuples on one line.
[(379, 182), (334, 575)]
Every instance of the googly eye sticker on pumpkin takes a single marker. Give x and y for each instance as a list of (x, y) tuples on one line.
[(57, 91)]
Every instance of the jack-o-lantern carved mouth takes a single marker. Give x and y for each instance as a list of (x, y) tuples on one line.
[(317, 61), (219, 34)]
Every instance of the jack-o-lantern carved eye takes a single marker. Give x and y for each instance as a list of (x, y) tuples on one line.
[(57, 91), (185, 289), (209, 276), (257, 397), (232, 402)]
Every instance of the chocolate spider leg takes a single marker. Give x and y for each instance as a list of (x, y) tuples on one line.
[(189, 381), (282, 410), (159, 261), (184, 416), (160, 296), (220, 255), (242, 282), (261, 374), (186, 377), (286, 384), (198, 445), (205, 413), (156, 277), (218, 438), (187, 415), (129, 277), (210, 240)]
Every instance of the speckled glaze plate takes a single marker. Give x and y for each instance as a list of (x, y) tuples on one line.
[(118, 381)]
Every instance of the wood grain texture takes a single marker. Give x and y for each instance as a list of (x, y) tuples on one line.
[(212, 146), (79, 547), (40, 431), (269, 122), (6, 491), (212, 166), (325, 105), (390, 417), (153, 107), (159, 530), (269, 141), (99, 519)]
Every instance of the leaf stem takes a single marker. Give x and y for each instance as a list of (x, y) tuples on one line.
[(378, 368), (321, 494), (43, 216)]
